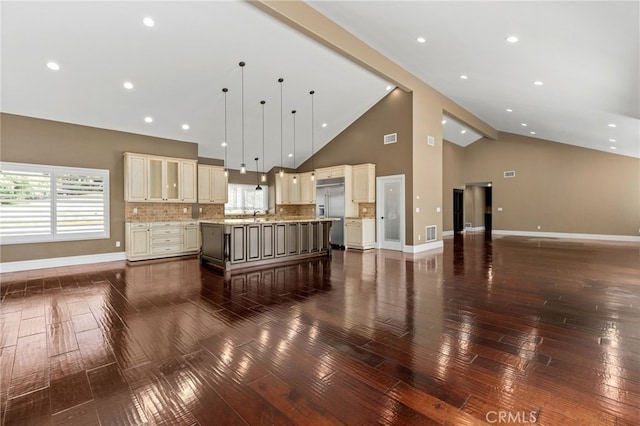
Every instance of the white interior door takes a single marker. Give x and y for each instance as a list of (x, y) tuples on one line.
[(390, 212)]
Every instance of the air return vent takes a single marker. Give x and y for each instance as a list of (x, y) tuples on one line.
[(431, 233), (510, 174), (390, 138)]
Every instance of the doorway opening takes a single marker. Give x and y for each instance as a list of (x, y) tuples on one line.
[(458, 210), (477, 210)]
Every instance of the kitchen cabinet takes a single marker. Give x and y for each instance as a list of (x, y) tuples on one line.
[(331, 172), (159, 179), (364, 183), (135, 177), (295, 188), (293, 185), (137, 239), (153, 240), (232, 245), (360, 233), (212, 185), (191, 236), (307, 188)]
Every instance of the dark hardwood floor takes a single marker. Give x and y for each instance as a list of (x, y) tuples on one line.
[(504, 331)]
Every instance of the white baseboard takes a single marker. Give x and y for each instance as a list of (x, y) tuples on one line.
[(475, 229), (423, 247), (447, 233), (26, 265), (567, 235)]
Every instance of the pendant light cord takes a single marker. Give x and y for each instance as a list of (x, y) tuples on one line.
[(262, 103), (242, 64), (312, 128), (281, 80), (294, 137), (225, 90)]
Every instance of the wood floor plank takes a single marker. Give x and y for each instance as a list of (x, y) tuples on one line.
[(488, 326)]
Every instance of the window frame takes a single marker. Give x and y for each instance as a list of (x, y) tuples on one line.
[(54, 171), (242, 211)]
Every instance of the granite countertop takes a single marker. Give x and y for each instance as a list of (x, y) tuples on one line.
[(250, 220)]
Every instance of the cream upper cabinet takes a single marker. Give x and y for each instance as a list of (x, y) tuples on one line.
[(307, 188), (282, 189), (293, 183), (135, 177), (212, 185), (164, 179), (364, 183), (331, 172), (159, 179), (295, 188), (188, 182)]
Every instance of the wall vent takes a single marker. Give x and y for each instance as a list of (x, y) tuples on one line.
[(431, 233), (390, 138), (510, 174), (468, 225)]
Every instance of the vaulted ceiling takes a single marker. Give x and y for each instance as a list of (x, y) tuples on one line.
[(586, 54)]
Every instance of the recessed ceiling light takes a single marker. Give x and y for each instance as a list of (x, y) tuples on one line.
[(224, 144), (612, 140), (464, 77), (613, 147), (462, 132), (389, 87), (538, 83), (148, 120), (611, 125), (444, 121), (509, 110), (53, 66), (149, 22), (128, 85), (324, 124), (512, 39), (290, 155), (523, 124), (533, 133), (185, 126), (421, 40)]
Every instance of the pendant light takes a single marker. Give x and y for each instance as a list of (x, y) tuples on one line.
[(293, 113), (263, 177), (313, 171), (258, 188), (224, 143), (243, 166), (281, 80)]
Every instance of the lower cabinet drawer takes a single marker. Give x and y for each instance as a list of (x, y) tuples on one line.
[(156, 232), (176, 248), (164, 240)]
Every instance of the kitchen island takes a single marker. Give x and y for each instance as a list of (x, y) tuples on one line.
[(233, 244)]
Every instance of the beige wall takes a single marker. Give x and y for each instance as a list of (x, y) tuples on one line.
[(362, 142), (452, 178), (562, 188), (31, 140)]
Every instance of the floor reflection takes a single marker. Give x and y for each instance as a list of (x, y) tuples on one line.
[(359, 338)]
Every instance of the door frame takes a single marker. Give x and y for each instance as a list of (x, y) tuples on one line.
[(380, 180)]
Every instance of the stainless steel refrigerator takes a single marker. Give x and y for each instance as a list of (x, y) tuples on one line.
[(330, 203)]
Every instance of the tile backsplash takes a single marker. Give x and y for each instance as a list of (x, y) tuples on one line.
[(211, 211), (295, 210), (370, 212), (157, 212)]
